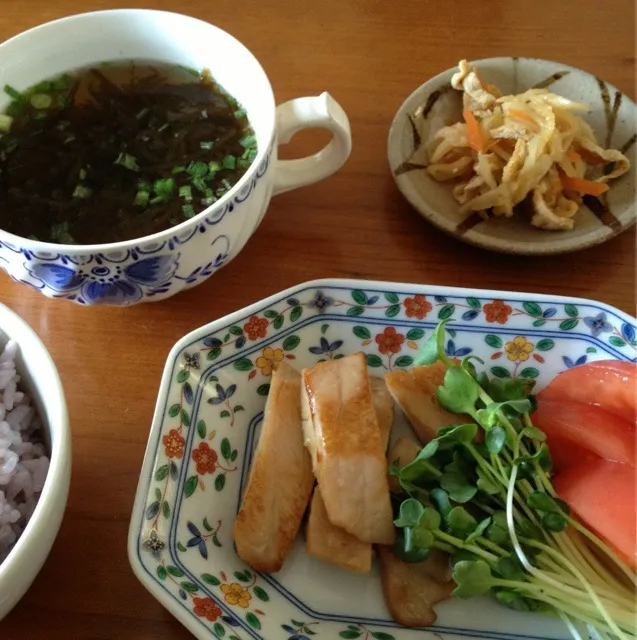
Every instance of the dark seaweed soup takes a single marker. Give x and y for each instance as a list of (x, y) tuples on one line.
[(118, 151)]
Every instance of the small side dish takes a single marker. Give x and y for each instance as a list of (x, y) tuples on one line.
[(481, 508), (530, 148)]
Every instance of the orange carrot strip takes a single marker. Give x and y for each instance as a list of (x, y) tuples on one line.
[(521, 115), (474, 133), (585, 187), (573, 156), (525, 117)]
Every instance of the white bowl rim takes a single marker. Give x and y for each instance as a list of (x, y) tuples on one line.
[(158, 236), (60, 457), (395, 129)]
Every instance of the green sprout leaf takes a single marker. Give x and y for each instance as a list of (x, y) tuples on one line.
[(491, 414), (459, 488), (566, 510), (469, 367), (460, 522), (542, 502), (534, 433), (495, 389), (462, 463), (510, 568), (483, 380), (462, 434), (553, 510), (460, 555), (411, 488), (554, 522), (486, 484), (512, 600), (479, 530), (472, 577), (421, 467), (434, 348), (496, 437), (505, 388), (440, 498), (459, 391), (529, 530), (405, 550), (526, 469), (481, 449), (410, 513), (422, 538), (544, 458), (498, 531), (430, 519), (541, 456), (409, 540)]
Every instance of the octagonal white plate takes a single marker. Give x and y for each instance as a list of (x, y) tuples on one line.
[(207, 421), (612, 116)]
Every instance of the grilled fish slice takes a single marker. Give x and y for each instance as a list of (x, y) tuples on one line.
[(343, 437), (281, 479), (329, 542), (416, 392)]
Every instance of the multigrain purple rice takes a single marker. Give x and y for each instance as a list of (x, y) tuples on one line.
[(23, 460)]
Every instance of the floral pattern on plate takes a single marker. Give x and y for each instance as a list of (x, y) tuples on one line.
[(206, 425)]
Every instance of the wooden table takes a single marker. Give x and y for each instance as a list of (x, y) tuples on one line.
[(370, 55)]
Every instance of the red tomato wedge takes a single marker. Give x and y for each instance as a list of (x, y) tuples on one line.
[(566, 453), (602, 495), (622, 366), (585, 426), (609, 384)]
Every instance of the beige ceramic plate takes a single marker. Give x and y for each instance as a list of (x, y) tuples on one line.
[(612, 117)]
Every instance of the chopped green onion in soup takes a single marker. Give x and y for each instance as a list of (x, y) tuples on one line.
[(133, 149)]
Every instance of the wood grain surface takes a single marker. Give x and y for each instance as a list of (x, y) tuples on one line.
[(370, 55)]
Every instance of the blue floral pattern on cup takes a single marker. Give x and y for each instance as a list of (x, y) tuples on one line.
[(149, 270), (108, 282)]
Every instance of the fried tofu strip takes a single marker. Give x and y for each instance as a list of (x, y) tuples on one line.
[(416, 392), (329, 542), (383, 407), (281, 479), (333, 544), (343, 437)]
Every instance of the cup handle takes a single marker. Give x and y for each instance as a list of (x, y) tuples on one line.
[(301, 113)]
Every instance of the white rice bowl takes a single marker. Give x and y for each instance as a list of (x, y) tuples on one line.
[(35, 456), (23, 458)]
